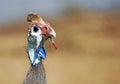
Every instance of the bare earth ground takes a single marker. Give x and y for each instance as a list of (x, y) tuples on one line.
[(88, 51)]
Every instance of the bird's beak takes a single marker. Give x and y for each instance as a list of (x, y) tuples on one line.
[(52, 32), (53, 43)]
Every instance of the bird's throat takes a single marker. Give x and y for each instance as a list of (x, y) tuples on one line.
[(31, 50), (31, 53), (36, 50)]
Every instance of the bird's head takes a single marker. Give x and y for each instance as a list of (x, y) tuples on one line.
[(38, 32)]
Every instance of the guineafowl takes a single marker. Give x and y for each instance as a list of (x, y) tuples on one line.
[(38, 32)]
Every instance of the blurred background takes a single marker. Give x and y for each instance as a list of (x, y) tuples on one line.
[(88, 40)]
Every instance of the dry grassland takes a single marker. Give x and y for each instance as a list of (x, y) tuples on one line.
[(88, 51)]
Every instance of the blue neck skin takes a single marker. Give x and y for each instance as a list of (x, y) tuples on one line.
[(36, 56)]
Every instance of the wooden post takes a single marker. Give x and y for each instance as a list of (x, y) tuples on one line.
[(36, 75)]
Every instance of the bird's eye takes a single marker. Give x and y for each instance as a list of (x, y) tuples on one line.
[(35, 29)]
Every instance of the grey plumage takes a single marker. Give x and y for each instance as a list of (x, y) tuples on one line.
[(36, 75)]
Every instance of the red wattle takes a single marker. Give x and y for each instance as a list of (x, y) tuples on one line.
[(54, 46)]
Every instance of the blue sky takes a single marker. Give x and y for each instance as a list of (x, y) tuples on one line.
[(11, 9)]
